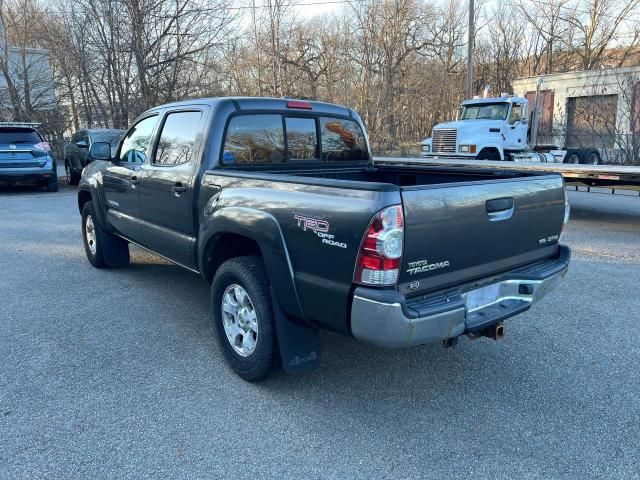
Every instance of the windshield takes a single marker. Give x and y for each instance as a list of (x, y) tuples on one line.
[(14, 135), (110, 137), (485, 111)]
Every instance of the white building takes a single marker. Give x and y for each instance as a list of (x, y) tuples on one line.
[(30, 71), (599, 108)]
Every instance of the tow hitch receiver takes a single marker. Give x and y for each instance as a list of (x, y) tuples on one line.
[(495, 331)]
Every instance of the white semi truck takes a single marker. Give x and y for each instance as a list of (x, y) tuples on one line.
[(499, 128)]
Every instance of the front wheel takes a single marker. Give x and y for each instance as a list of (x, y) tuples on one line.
[(102, 248), (243, 317), (490, 154)]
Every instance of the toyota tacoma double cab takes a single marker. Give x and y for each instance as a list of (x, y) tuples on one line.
[(277, 203)]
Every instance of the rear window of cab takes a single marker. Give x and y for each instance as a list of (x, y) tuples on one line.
[(274, 139)]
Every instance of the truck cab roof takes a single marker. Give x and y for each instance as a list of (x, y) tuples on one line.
[(261, 103), (480, 101)]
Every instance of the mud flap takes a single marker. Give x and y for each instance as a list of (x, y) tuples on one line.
[(299, 344)]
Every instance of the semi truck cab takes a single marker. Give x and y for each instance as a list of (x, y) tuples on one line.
[(487, 129)]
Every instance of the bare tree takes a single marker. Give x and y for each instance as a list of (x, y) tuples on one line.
[(598, 26)]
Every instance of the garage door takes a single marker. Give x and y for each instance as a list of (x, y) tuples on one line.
[(591, 121)]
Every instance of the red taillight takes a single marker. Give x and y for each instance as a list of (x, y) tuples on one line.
[(42, 146), (380, 253), (299, 104)]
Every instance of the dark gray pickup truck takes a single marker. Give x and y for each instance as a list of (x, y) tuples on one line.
[(278, 204)]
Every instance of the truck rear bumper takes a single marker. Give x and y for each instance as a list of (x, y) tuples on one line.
[(386, 318)]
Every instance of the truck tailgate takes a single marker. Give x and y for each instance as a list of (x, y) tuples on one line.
[(459, 232)]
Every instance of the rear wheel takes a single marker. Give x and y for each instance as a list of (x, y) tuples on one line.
[(102, 248), (52, 185), (590, 156), (572, 156), (72, 176), (243, 317)]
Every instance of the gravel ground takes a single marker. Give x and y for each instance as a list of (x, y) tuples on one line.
[(115, 374)]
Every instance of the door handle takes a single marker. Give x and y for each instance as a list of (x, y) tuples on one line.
[(500, 209), (178, 189), (134, 181)]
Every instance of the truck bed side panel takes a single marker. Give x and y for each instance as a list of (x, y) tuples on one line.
[(322, 228)]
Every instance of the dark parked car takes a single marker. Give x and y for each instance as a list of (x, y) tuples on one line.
[(25, 157), (279, 205), (76, 152)]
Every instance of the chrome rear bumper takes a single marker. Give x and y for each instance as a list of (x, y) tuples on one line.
[(385, 318)]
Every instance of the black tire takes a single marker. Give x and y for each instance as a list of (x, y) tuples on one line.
[(249, 273), (590, 156), (73, 177), (108, 250), (488, 154), (572, 156), (52, 185)]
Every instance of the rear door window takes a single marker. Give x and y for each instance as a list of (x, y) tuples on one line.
[(302, 138), (342, 140), (13, 136), (178, 139), (254, 139)]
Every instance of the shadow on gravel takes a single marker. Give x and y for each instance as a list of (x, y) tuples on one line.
[(349, 369), (604, 216)]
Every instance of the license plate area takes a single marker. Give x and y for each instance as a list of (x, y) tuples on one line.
[(481, 297)]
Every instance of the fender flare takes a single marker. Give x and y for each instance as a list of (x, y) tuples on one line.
[(264, 229), (91, 187)]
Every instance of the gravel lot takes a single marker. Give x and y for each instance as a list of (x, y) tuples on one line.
[(115, 374)]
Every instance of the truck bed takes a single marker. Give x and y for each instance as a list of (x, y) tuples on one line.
[(460, 224), (407, 176), (618, 177)]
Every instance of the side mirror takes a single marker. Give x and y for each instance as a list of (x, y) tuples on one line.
[(82, 144), (100, 151)]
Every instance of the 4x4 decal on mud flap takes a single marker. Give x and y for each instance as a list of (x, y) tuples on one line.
[(320, 228)]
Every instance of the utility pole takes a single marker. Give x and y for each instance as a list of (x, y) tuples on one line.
[(472, 34)]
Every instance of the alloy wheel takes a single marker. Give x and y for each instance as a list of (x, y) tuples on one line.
[(90, 234), (240, 320)]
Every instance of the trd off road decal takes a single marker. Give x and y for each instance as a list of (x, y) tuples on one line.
[(320, 228)]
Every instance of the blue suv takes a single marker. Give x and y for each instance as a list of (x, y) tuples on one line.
[(25, 157)]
